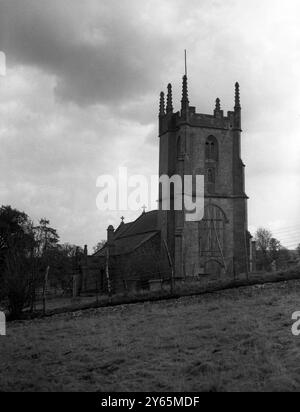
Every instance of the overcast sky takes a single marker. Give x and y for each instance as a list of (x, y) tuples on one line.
[(80, 99)]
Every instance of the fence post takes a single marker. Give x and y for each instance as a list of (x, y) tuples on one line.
[(246, 255), (97, 287), (45, 289), (107, 273), (234, 268), (2, 324), (171, 266), (75, 289)]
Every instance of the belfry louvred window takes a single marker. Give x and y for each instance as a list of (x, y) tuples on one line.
[(211, 149)]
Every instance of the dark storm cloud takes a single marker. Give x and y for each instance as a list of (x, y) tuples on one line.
[(105, 52), (81, 97)]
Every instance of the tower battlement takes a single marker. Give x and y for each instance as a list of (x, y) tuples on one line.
[(170, 121)]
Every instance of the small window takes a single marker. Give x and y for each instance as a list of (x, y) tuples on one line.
[(181, 148), (211, 176), (211, 149), (210, 180)]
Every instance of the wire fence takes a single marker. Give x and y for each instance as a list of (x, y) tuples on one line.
[(92, 283)]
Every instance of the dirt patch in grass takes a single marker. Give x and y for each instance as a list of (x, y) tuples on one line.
[(234, 340)]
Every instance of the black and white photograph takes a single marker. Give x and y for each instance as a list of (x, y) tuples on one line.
[(149, 199)]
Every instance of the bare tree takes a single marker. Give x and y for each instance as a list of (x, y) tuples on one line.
[(99, 246), (45, 243), (263, 240), (274, 249), (24, 257), (270, 250)]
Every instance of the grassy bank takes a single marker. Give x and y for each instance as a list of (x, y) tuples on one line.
[(239, 339), (184, 288)]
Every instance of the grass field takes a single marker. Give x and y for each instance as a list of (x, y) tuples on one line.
[(228, 341)]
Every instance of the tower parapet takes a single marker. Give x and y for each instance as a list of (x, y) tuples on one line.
[(170, 121)]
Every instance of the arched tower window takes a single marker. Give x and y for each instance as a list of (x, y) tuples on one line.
[(212, 149)]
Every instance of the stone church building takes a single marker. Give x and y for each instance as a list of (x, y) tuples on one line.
[(161, 243)]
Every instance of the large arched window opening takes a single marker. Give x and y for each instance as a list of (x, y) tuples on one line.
[(212, 234), (212, 149)]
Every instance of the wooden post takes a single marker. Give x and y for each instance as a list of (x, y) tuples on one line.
[(246, 255), (253, 257), (45, 289), (234, 268), (171, 266), (97, 292), (220, 247), (32, 303), (107, 273), (75, 294), (2, 324)]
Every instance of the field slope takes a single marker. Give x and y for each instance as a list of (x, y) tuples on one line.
[(235, 340)]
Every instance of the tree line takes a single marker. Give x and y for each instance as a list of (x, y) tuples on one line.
[(27, 253), (30, 253), (271, 253)]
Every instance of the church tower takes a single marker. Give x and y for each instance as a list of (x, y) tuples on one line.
[(194, 144)]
